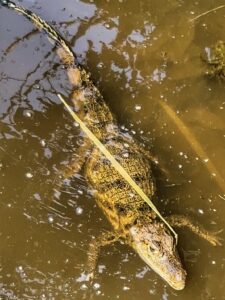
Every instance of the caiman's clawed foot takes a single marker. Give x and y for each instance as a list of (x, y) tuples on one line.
[(182, 221), (106, 238), (74, 165), (214, 239)]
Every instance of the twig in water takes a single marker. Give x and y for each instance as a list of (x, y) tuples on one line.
[(206, 13)]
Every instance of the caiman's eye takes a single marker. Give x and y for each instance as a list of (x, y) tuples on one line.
[(156, 244), (152, 249)]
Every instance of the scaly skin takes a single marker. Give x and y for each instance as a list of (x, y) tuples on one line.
[(131, 218)]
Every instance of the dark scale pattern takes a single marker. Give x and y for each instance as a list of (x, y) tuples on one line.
[(114, 194)]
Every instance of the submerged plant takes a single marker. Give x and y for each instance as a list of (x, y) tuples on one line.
[(195, 145), (215, 58)]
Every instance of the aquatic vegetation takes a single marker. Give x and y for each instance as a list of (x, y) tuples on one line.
[(215, 59), (195, 145)]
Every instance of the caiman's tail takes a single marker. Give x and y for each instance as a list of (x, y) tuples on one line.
[(69, 56)]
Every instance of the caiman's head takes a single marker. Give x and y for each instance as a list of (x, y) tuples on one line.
[(157, 248)]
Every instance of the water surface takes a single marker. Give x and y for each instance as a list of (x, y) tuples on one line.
[(139, 53)]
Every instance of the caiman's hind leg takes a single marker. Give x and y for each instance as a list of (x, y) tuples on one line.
[(182, 221), (106, 238), (74, 165)]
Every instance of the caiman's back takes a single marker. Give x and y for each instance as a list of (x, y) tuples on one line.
[(122, 206)]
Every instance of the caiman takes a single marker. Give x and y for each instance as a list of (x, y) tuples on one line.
[(133, 221)]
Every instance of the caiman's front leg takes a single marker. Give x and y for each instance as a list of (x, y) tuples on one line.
[(183, 221), (106, 238)]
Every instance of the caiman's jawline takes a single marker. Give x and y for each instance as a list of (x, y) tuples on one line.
[(156, 247)]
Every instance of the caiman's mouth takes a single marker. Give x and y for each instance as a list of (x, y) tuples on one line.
[(156, 247), (178, 285)]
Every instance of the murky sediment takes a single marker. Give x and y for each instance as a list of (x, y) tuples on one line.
[(138, 52)]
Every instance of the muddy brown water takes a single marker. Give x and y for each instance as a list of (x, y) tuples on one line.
[(138, 52)]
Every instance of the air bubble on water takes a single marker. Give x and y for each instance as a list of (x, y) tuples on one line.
[(96, 286), (79, 210), (83, 287), (37, 196), (201, 211), (137, 107), (36, 86), (29, 175), (152, 292), (180, 166), (126, 288), (100, 65), (50, 219), (28, 113), (80, 192), (19, 269), (213, 262), (43, 143)]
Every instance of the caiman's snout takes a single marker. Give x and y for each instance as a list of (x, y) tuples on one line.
[(156, 247)]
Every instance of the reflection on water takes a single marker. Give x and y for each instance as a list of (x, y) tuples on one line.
[(137, 52)]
